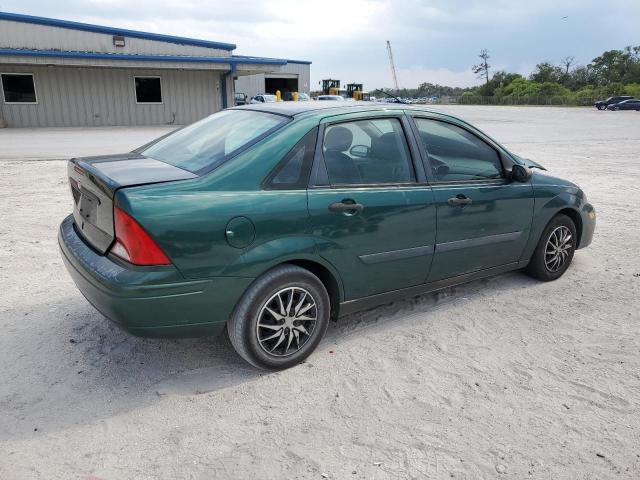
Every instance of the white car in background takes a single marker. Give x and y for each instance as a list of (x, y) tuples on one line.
[(263, 98), (336, 98)]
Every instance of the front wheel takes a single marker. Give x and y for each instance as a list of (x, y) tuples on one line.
[(554, 251), (280, 319)]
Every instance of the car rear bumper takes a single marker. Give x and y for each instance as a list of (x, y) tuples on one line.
[(148, 301)]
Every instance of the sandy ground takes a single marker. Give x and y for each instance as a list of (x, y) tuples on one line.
[(502, 378)]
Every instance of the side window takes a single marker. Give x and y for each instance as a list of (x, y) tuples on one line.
[(18, 88), (367, 152), (456, 154), (293, 170), (148, 89)]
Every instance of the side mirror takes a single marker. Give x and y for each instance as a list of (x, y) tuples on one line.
[(520, 173), (360, 151)]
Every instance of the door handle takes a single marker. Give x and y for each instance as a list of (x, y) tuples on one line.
[(346, 206), (459, 199)]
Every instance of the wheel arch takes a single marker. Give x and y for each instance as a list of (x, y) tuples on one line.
[(574, 215), (328, 279)]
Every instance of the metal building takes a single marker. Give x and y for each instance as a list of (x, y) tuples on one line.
[(292, 77), (61, 73)]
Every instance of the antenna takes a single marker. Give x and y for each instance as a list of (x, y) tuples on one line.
[(393, 66)]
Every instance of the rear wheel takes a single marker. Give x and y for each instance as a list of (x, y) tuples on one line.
[(555, 250), (281, 318)]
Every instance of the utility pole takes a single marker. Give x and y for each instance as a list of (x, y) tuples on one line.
[(393, 67)]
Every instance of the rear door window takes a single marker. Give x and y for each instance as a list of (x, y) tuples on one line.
[(202, 146), (293, 171), (367, 152)]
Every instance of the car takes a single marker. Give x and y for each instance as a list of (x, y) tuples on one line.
[(264, 98), (332, 98), (603, 104), (290, 97), (630, 104), (240, 98), (271, 220)]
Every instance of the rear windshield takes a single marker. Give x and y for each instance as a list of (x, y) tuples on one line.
[(202, 146)]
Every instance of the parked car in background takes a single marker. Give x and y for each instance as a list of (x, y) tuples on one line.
[(240, 98), (332, 98), (631, 104), (303, 97), (603, 104), (272, 219), (263, 98)]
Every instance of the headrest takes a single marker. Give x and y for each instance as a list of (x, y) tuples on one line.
[(338, 139), (386, 146)]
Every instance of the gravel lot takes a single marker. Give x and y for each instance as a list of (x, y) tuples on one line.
[(501, 378)]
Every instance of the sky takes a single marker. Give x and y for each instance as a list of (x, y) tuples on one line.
[(435, 41)]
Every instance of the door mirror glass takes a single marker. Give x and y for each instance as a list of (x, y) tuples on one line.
[(360, 151), (520, 173)]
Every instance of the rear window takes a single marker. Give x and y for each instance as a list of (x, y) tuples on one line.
[(202, 146)]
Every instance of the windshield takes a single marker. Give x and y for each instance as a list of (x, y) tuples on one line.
[(202, 146), (269, 98)]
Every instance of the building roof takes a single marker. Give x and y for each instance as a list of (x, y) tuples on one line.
[(233, 60), (288, 60), (88, 27), (58, 53)]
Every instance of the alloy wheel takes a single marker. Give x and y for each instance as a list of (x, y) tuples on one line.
[(286, 321), (558, 248)]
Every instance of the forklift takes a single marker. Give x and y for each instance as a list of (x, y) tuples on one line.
[(330, 87), (354, 90)]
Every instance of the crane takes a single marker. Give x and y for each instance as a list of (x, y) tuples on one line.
[(393, 66)]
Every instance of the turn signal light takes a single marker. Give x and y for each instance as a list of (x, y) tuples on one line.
[(133, 244)]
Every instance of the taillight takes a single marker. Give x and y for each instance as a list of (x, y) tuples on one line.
[(134, 244)]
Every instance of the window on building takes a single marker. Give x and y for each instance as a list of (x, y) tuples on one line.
[(18, 88), (148, 90)]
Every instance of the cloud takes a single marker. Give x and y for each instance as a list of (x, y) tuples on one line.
[(434, 41)]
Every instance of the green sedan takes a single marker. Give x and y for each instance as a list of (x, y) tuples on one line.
[(273, 219)]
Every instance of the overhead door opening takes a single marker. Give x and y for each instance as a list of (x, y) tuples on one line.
[(286, 86)]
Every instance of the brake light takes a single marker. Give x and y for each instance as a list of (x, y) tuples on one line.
[(134, 244)]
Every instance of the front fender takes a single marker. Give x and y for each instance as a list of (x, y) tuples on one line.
[(547, 206)]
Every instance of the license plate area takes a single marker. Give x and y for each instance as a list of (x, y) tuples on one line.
[(88, 206)]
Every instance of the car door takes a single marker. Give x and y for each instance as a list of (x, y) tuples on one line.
[(483, 218), (371, 211)]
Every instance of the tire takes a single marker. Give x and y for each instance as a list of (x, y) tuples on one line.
[(543, 265), (263, 304), (600, 107)]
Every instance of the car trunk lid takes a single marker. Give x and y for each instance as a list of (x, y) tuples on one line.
[(94, 182)]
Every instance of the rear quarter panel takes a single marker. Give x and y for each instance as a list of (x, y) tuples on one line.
[(188, 219)]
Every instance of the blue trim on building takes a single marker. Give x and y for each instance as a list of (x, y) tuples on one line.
[(87, 27), (301, 62), (233, 60)]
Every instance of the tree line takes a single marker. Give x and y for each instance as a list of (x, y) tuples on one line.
[(614, 72)]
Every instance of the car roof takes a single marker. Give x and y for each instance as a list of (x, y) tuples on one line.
[(292, 109)]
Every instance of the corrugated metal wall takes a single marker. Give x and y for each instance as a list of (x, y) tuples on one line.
[(42, 37), (78, 96)]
